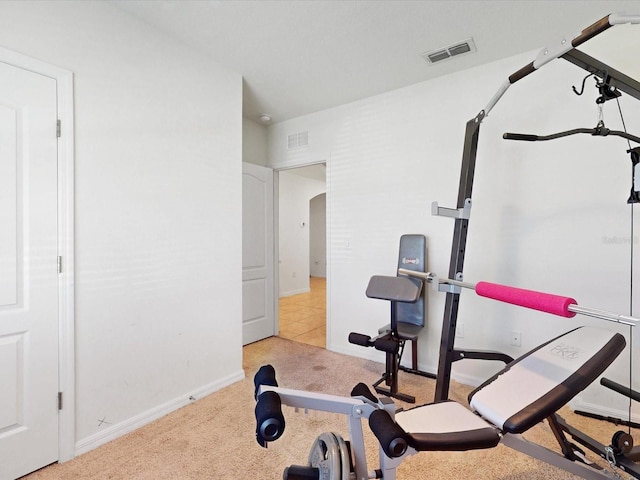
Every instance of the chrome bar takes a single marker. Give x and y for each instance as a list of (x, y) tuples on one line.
[(431, 277), (426, 276), (604, 315), (589, 312), (459, 283)]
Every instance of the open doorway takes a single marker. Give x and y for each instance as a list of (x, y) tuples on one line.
[(302, 254)]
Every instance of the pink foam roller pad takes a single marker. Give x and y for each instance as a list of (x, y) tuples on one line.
[(545, 302)]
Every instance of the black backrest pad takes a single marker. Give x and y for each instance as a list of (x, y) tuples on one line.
[(412, 255), (538, 384)]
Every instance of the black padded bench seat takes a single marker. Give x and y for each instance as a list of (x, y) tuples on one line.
[(524, 393)]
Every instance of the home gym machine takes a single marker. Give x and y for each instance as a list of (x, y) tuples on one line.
[(501, 412), (500, 409), (611, 83)]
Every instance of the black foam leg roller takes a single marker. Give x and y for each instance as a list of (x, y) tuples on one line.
[(269, 418), (387, 344), (359, 339), (391, 436), (265, 376)]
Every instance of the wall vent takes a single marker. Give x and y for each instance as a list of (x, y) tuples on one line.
[(297, 140), (458, 48)]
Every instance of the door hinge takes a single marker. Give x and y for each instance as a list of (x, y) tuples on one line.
[(59, 264), (59, 400), (59, 128)]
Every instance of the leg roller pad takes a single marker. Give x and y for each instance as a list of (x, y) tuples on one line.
[(269, 418), (360, 339), (266, 375), (387, 344), (391, 436)]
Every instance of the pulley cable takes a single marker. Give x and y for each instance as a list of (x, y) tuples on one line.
[(631, 236)]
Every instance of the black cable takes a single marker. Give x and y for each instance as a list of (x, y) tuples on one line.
[(624, 126)]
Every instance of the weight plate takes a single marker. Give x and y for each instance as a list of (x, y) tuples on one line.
[(345, 458), (325, 455)]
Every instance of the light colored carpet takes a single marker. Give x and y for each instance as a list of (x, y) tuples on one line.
[(214, 437)]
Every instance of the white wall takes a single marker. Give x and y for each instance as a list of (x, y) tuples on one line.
[(542, 218), (157, 208), (295, 192), (254, 142)]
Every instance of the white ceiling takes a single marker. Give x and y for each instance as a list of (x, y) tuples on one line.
[(299, 57)]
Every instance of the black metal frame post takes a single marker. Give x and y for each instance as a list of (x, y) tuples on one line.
[(448, 354), (458, 248)]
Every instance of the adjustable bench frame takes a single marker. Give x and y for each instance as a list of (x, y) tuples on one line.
[(395, 290), (357, 408), (566, 365), (408, 309)]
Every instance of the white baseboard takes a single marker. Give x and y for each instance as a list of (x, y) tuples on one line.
[(358, 352), (127, 426), (468, 380), (294, 292)]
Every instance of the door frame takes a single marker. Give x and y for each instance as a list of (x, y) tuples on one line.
[(276, 237), (66, 285)]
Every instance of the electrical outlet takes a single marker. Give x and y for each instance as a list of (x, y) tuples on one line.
[(516, 338)]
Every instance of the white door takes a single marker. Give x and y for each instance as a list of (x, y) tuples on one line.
[(28, 272), (258, 311)]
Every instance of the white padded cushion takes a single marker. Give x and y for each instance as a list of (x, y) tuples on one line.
[(446, 426), (535, 375), (445, 417)]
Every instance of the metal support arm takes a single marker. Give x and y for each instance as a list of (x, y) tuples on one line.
[(456, 263)]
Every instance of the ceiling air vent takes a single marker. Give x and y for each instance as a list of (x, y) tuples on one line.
[(296, 140), (453, 50)]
